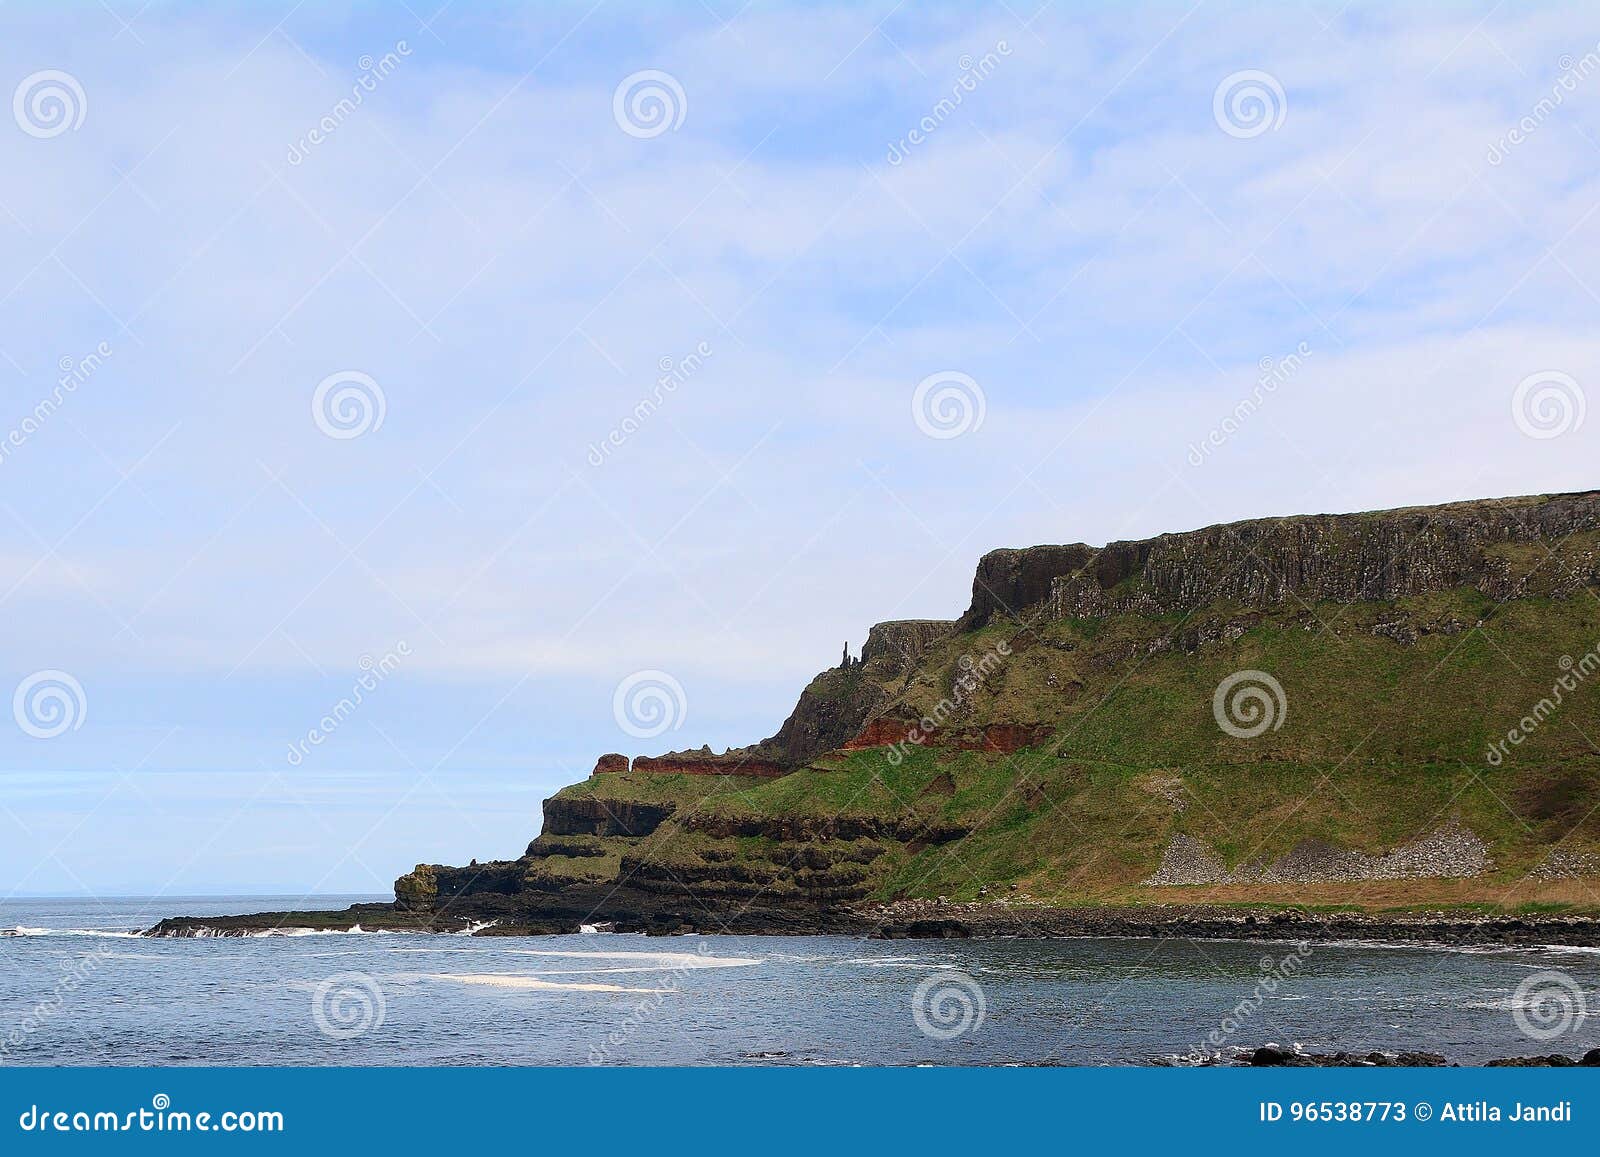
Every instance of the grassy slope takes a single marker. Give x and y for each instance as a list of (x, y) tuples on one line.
[(1382, 743)]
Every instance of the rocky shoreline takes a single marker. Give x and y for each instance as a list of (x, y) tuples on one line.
[(934, 920), (1274, 1056)]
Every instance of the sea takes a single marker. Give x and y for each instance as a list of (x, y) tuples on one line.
[(80, 986)]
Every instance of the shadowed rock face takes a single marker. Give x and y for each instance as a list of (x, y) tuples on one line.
[(838, 703), (592, 817), (1271, 561), (832, 709)]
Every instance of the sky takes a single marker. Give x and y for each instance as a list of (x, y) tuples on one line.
[(575, 378)]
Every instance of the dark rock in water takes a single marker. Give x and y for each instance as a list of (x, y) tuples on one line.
[(1269, 1057), (1272, 1056), (1591, 1059), (1553, 1061)]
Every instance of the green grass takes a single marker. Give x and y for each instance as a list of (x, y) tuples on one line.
[(1381, 744)]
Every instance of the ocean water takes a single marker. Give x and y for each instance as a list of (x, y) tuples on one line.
[(78, 987)]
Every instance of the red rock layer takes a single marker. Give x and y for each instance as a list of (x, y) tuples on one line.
[(708, 765), (1000, 738)]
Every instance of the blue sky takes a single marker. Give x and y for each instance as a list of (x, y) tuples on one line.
[(1094, 240)]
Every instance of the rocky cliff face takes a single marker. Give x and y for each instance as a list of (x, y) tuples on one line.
[(838, 703), (1016, 766), (833, 708), (1318, 558)]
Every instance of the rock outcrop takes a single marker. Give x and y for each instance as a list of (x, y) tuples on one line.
[(1269, 562), (746, 762), (832, 709), (838, 703)]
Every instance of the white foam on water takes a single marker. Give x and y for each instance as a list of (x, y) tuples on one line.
[(661, 960), (531, 983), (25, 931)]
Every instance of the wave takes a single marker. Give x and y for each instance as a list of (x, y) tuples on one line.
[(664, 960), (25, 931), (533, 983)]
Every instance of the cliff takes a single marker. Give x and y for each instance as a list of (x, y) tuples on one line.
[(1271, 562), (832, 709), (1374, 711)]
